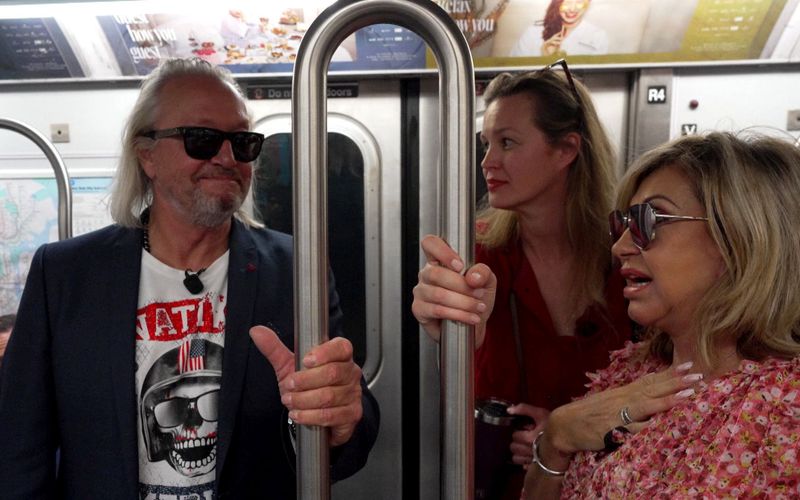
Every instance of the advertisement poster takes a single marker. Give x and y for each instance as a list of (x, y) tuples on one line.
[(529, 32), (35, 48), (249, 38), (251, 41)]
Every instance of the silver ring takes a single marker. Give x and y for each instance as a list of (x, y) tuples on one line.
[(625, 416)]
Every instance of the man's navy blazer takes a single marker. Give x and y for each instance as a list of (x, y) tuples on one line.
[(68, 374)]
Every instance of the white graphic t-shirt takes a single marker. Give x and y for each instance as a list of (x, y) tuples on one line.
[(180, 338)]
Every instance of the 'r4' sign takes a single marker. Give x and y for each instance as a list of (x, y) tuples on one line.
[(657, 94)]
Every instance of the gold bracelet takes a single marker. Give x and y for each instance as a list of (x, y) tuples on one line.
[(538, 461)]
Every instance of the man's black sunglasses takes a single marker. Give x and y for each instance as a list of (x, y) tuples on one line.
[(202, 143)]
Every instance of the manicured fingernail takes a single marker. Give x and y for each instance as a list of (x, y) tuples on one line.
[(288, 384), (478, 293), (685, 393), (456, 264), (476, 276), (286, 399), (475, 319), (481, 306), (310, 360), (693, 377), (293, 414), (685, 366)]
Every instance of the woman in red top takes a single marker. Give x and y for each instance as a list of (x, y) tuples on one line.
[(549, 169)]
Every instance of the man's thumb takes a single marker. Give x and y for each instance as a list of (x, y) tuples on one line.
[(278, 355)]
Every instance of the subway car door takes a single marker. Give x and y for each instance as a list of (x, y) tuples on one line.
[(363, 242)]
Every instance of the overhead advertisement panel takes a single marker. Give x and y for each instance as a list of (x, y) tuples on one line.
[(35, 48), (128, 38), (526, 32), (255, 40)]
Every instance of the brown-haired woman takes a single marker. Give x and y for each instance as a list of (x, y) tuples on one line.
[(558, 310)]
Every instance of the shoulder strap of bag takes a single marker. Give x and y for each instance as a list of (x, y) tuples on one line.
[(518, 342)]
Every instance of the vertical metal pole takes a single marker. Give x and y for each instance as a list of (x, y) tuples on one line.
[(59, 169), (456, 216)]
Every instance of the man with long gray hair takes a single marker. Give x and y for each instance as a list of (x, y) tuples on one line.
[(138, 353)]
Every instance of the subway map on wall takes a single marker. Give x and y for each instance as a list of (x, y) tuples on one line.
[(29, 219)]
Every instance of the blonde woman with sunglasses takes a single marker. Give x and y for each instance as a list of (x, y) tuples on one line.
[(708, 236), (557, 308)]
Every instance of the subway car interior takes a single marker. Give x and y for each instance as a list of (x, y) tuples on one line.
[(70, 73)]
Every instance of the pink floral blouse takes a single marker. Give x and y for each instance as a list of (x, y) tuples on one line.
[(737, 437)]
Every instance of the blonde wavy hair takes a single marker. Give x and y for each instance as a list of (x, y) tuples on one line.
[(556, 112), (750, 188), (131, 191)]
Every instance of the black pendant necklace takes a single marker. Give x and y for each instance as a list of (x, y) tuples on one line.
[(192, 280)]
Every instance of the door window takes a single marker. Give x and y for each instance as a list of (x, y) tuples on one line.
[(272, 196)]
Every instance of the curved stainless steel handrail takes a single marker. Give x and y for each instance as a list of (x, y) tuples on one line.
[(456, 214), (59, 169)]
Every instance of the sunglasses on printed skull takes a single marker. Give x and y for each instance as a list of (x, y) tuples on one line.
[(202, 143), (175, 411), (642, 220)]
